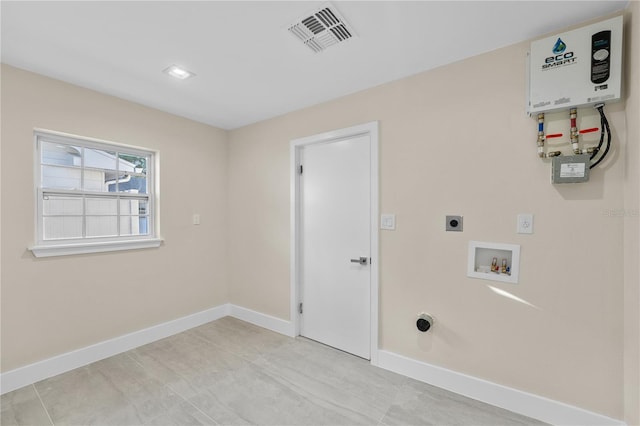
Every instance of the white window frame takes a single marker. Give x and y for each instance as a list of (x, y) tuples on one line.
[(70, 246)]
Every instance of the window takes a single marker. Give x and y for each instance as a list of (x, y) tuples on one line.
[(93, 196)]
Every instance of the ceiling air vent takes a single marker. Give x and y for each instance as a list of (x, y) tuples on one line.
[(322, 28)]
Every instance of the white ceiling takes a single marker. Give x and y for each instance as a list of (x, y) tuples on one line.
[(249, 68)]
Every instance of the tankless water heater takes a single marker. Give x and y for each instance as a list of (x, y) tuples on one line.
[(576, 68)]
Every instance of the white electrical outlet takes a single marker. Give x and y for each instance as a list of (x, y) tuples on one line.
[(525, 224)]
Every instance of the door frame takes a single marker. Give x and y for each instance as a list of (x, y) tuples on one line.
[(370, 129)]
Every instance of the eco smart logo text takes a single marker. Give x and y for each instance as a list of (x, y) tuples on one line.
[(560, 56)]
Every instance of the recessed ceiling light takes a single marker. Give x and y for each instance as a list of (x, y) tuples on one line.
[(177, 72)]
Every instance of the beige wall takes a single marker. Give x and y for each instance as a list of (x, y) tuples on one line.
[(456, 140), (55, 305), (632, 230)]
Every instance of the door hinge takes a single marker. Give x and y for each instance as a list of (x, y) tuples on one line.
[(300, 168), (300, 308)]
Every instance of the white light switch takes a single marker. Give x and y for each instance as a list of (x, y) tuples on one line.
[(388, 221), (196, 219), (525, 224)]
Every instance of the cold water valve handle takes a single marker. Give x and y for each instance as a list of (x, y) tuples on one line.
[(424, 323)]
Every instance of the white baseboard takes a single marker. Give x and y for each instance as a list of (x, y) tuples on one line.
[(23, 376), (524, 403), (262, 320), (527, 404)]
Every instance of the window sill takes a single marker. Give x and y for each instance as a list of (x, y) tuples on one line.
[(96, 247)]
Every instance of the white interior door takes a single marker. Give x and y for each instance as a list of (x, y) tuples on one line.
[(335, 244)]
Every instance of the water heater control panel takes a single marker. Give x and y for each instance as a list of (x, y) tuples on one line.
[(576, 68)]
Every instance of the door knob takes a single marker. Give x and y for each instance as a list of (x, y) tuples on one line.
[(362, 260)]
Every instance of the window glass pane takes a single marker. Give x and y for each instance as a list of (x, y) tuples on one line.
[(102, 226), (133, 206), (61, 154), (97, 180), (60, 177), (143, 208), (59, 227), (133, 171), (133, 184), (100, 169), (134, 225), (102, 206), (61, 205), (99, 159)]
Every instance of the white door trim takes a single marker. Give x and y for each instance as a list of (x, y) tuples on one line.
[(370, 129)]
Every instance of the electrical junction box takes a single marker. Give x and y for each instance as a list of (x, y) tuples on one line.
[(576, 68), (570, 169)]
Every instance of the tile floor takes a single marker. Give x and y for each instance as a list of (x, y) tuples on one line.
[(229, 372)]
